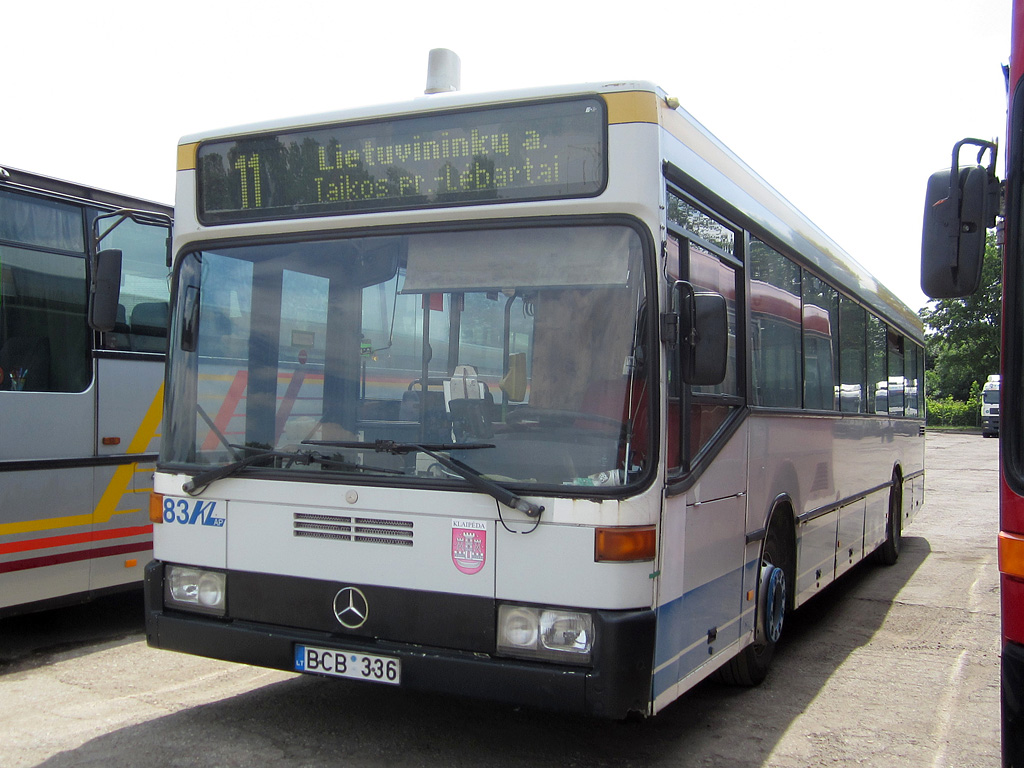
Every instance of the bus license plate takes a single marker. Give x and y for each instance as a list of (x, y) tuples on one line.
[(341, 663)]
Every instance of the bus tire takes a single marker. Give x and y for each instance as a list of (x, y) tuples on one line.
[(751, 666), (889, 552)]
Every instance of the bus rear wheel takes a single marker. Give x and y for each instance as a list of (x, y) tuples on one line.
[(751, 666), (889, 552)]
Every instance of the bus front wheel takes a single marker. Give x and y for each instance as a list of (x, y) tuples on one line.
[(750, 667)]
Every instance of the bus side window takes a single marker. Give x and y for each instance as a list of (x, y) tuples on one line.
[(820, 325), (708, 408), (44, 338), (897, 381), (878, 383), (910, 391), (775, 327), (852, 356)]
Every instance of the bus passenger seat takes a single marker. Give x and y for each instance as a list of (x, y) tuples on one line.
[(435, 425)]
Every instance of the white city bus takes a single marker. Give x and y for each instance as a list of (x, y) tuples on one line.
[(79, 409), (541, 397)]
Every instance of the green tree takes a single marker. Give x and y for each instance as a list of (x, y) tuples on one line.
[(963, 334)]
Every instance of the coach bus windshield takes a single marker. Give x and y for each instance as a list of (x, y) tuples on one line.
[(528, 341)]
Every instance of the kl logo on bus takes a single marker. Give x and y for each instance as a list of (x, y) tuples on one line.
[(194, 512)]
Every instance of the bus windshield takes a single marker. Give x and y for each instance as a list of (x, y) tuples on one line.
[(525, 340)]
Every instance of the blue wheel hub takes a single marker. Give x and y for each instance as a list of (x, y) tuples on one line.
[(774, 608)]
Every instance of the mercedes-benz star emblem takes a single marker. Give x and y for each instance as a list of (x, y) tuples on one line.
[(351, 608)]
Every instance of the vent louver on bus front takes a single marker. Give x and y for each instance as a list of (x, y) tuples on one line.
[(360, 530)]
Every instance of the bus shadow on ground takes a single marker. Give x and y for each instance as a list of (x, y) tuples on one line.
[(30, 640), (313, 721)]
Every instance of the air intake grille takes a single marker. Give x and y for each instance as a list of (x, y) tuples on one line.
[(360, 530)]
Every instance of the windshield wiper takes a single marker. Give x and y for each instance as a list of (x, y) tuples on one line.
[(200, 482), (396, 448), (473, 477)]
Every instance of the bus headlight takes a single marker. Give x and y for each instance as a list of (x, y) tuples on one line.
[(551, 634), (194, 589)]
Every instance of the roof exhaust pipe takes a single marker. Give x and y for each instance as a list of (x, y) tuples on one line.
[(444, 71)]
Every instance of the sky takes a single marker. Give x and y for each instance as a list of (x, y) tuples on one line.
[(844, 108)]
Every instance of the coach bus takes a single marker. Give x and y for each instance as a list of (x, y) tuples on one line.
[(962, 203), (540, 397), (80, 409)]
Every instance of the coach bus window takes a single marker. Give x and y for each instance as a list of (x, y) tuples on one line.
[(141, 324), (852, 356), (41, 223), (878, 384), (897, 381), (44, 339), (820, 316), (774, 326)]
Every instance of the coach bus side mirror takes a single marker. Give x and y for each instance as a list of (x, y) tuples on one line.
[(703, 336), (104, 289), (960, 204)]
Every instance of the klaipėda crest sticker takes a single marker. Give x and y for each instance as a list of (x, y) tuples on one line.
[(469, 545)]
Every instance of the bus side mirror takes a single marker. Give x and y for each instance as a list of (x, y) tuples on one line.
[(703, 336), (960, 204), (190, 319), (104, 289)]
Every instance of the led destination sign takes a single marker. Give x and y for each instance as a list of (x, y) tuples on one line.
[(527, 152)]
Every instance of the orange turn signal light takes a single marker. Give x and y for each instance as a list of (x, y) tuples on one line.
[(1011, 554), (625, 545), (156, 507)]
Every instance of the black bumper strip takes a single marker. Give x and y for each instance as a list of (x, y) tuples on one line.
[(28, 465), (618, 681)]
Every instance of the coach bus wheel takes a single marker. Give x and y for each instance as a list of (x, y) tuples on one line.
[(751, 666), (889, 552)]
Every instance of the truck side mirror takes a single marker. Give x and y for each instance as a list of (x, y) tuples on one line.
[(104, 289), (960, 204)]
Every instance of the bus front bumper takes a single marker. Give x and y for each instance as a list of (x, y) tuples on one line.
[(616, 685)]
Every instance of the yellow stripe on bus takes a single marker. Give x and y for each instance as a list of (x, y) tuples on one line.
[(117, 487), (632, 107), (187, 156)]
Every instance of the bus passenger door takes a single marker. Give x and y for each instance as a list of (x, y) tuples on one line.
[(701, 588), (129, 401)]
